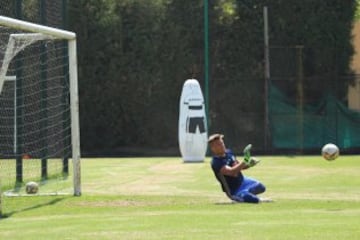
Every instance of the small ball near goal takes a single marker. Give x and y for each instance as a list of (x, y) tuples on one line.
[(31, 188), (330, 151)]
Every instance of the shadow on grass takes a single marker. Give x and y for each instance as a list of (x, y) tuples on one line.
[(226, 203), (18, 186), (51, 202)]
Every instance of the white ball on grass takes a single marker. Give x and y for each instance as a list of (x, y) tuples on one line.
[(330, 151), (31, 188)]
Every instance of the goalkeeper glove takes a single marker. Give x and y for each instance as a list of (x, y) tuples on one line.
[(253, 161), (247, 155)]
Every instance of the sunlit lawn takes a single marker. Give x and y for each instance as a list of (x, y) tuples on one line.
[(164, 198)]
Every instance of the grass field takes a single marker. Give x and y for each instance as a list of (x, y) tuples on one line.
[(163, 198)]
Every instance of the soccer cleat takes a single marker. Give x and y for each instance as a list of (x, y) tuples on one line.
[(236, 199), (247, 154), (265, 200)]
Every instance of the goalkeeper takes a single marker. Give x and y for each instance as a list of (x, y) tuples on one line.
[(228, 171)]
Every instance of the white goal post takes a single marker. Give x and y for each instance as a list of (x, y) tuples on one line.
[(38, 32)]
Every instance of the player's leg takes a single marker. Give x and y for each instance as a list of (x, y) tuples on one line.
[(257, 188), (248, 190), (252, 185), (248, 197)]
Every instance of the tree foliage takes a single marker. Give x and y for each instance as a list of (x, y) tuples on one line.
[(134, 56)]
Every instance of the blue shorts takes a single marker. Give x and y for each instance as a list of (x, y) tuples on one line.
[(248, 190)]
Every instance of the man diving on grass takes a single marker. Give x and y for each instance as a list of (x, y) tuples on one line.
[(228, 171)]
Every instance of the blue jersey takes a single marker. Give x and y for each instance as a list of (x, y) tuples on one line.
[(228, 184)]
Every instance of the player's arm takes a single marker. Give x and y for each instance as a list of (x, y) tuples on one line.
[(234, 170)]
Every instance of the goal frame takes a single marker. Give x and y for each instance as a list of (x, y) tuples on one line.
[(73, 81)]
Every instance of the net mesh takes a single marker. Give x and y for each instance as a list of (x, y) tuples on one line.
[(35, 137), (306, 112)]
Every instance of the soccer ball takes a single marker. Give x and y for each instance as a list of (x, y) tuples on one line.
[(330, 151), (31, 187)]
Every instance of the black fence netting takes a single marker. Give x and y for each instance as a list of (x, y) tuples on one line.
[(134, 57)]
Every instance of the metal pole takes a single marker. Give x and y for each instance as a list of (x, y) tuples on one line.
[(64, 94), (43, 76), (267, 78), (32, 27), (206, 60), (18, 109), (300, 95), (75, 125)]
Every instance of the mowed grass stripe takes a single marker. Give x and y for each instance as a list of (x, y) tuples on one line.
[(164, 198)]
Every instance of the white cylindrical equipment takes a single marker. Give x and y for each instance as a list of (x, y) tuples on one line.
[(192, 123)]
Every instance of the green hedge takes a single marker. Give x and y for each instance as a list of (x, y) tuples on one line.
[(135, 55)]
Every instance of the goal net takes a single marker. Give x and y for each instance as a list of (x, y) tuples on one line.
[(39, 124)]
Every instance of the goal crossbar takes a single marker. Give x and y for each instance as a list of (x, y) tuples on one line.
[(32, 27)]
